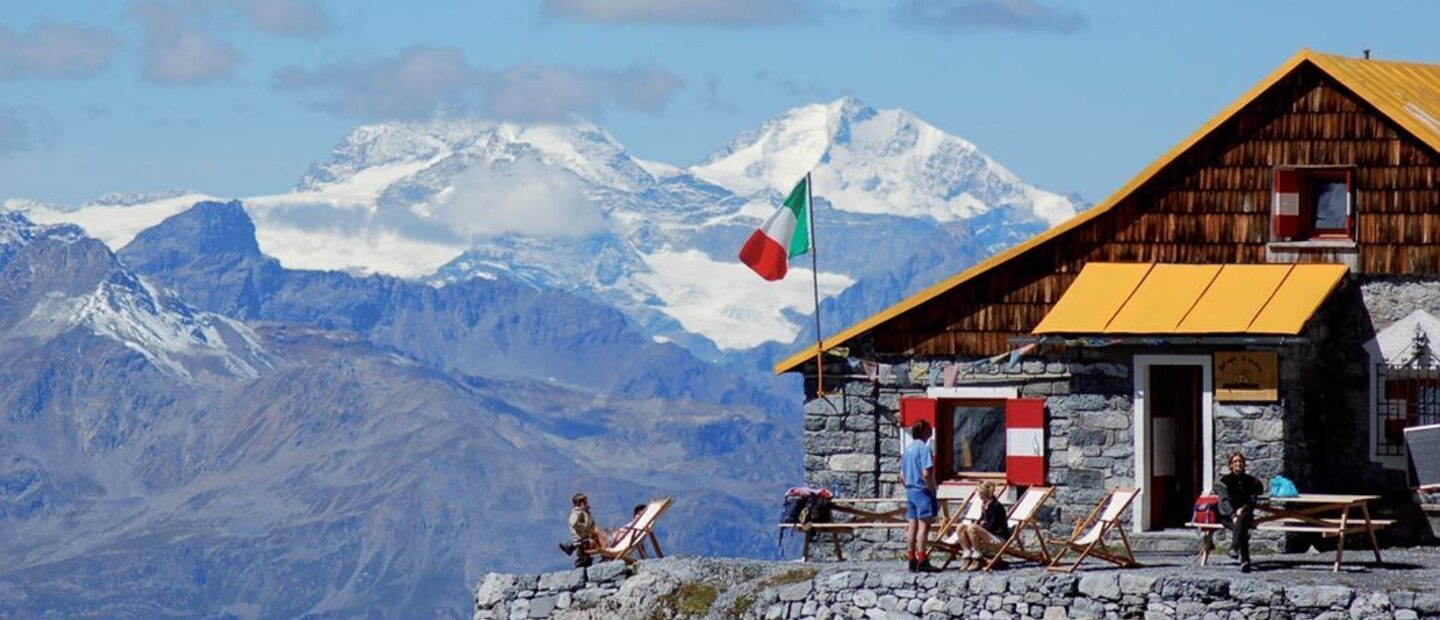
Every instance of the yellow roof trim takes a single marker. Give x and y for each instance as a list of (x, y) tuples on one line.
[(1380, 83)]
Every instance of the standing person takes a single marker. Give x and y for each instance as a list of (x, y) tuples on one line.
[(585, 536), (917, 474), (987, 534), (1238, 492)]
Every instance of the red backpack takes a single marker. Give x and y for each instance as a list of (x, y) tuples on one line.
[(1207, 510)]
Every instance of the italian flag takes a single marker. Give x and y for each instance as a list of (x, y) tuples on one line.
[(784, 236)]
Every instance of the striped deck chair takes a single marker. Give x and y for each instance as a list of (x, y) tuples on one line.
[(632, 542), (1022, 518), (1088, 539)]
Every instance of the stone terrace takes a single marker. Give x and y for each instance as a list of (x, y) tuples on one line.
[(1284, 586)]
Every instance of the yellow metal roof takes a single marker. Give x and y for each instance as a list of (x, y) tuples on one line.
[(1091, 298), (1163, 299), (1298, 297), (1407, 93), (1251, 300), (1235, 296)]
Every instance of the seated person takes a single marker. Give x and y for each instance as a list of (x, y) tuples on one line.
[(621, 532), (988, 533), (1238, 492)]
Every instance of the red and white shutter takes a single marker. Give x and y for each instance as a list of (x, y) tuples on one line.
[(916, 408), (1025, 441), (1285, 209)]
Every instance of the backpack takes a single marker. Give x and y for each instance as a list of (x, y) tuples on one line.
[(817, 509), (791, 509), (1207, 510), (1280, 486)]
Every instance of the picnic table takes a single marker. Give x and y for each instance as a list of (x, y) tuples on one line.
[(864, 512), (1329, 515)]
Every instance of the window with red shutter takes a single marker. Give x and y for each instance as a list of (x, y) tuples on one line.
[(1312, 203)]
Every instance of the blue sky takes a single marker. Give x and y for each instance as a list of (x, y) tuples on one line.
[(237, 97)]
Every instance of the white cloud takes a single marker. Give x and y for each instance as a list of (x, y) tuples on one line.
[(416, 83), (974, 15), (421, 82), (177, 49), (287, 17), (55, 51), (703, 12), (526, 199)]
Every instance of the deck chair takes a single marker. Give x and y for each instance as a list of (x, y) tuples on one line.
[(947, 538), (632, 543), (1022, 518), (1088, 539)]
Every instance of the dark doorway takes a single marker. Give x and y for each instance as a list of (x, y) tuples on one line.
[(1175, 453)]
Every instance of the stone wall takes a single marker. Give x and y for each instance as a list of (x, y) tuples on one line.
[(852, 439), (733, 589)]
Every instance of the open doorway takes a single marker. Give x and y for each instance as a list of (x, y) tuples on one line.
[(1174, 438)]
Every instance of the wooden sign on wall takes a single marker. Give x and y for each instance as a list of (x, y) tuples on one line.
[(1246, 376)]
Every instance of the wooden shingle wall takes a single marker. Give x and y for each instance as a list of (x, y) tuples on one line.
[(1211, 205)]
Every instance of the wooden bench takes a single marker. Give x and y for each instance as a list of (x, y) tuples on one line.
[(862, 518), (1305, 521)]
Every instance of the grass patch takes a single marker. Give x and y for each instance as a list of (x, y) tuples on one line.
[(692, 600), (742, 604)]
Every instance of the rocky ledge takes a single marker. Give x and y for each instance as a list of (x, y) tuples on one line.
[(1298, 587)]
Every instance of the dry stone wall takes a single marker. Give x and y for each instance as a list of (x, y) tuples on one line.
[(674, 588)]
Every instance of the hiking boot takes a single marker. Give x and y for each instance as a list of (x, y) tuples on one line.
[(924, 567), (1244, 567), (913, 565), (568, 548)]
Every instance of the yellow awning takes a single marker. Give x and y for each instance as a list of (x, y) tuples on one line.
[(1146, 298)]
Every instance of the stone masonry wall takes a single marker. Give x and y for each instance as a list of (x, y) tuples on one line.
[(676, 588), (852, 439)]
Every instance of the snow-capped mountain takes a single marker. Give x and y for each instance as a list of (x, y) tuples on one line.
[(567, 206), (884, 162), (92, 292)]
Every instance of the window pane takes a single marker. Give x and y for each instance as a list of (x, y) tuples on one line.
[(1331, 204), (979, 444)]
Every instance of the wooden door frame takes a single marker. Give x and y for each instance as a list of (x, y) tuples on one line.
[(1141, 517)]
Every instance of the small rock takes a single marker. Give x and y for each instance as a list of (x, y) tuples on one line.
[(1321, 597), (562, 601), (932, 605), (1055, 612), (1136, 584), (796, 592), (1406, 614), (888, 602), (1101, 586), (606, 571), (567, 581), (542, 607), (493, 589), (865, 598)]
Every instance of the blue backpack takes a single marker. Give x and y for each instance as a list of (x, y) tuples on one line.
[(1280, 486)]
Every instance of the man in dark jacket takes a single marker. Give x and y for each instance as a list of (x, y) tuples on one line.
[(1238, 493)]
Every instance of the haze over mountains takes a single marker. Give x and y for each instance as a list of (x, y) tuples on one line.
[(355, 398)]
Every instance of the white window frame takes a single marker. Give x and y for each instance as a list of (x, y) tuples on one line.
[(1140, 509)]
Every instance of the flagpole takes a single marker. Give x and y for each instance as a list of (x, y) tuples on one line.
[(815, 287)]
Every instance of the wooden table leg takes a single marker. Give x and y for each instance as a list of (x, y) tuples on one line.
[(1370, 529), (1340, 545), (835, 538), (805, 548)]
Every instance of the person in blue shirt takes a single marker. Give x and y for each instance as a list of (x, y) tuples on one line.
[(917, 474)]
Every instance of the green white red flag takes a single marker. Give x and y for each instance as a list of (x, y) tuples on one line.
[(784, 236)]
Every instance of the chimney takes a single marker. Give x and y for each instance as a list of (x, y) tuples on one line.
[(1366, 51)]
